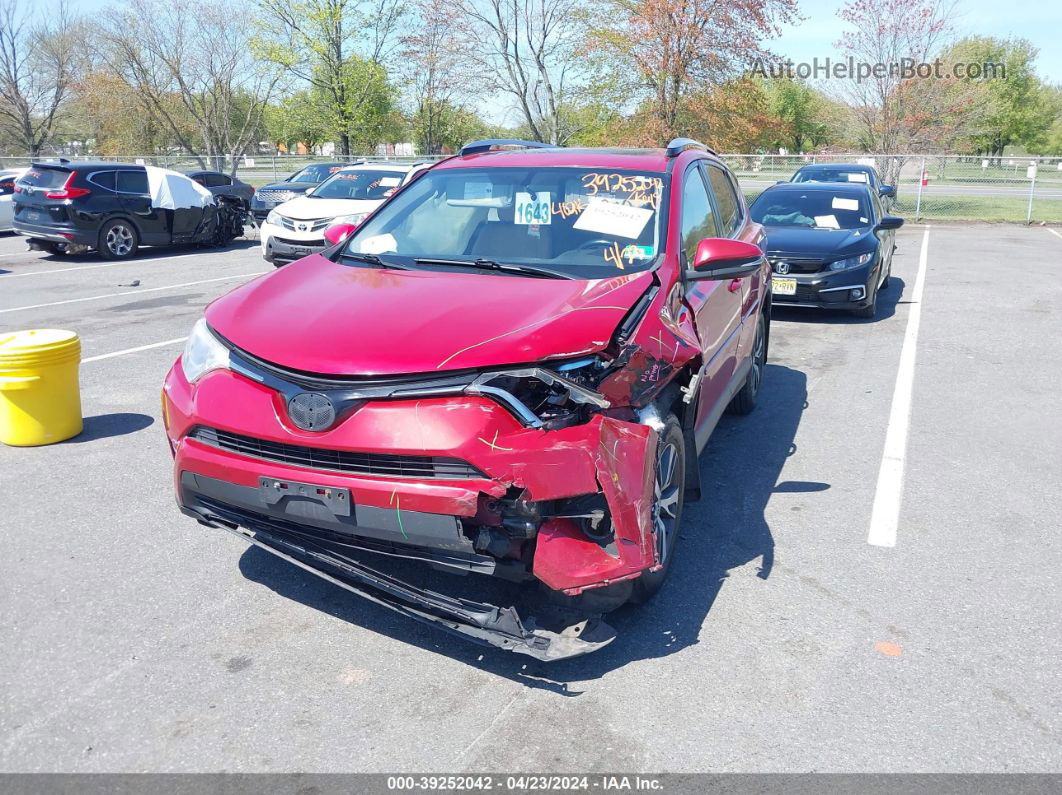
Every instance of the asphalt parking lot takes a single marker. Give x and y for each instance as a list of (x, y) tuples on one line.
[(132, 639)]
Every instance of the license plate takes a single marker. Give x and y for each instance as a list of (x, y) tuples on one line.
[(783, 286), (32, 216), (302, 252), (273, 491)]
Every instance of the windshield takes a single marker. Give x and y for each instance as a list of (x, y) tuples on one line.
[(831, 175), (581, 222), (819, 209), (369, 184), (315, 174)]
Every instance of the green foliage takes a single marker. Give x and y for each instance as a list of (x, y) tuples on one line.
[(806, 118), (1017, 110)]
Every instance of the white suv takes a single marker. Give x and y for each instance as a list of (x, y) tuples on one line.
[(295, 228)]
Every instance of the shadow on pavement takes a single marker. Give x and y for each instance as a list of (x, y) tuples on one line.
[(887, 301), (103, 426), (727, 529), (152, 253)]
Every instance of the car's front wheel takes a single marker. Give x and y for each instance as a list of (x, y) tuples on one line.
[(118, 240), (666, 510)]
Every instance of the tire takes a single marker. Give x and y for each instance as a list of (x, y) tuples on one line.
[(667, 506), (745, 400), (868, 312), (118, 240)]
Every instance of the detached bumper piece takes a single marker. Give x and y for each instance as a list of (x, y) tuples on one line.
[(486, 624)]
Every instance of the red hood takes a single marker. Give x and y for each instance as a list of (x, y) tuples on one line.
[(317, 316)]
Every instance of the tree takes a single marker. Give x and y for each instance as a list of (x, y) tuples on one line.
[(338, 47), (39, 64), (683, 47), (1019, 107), (434, 73), (192, 67), (529, 50), (805, 119), (296, 119), (900, 114)]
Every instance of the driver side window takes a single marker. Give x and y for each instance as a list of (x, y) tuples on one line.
[(697, 215)]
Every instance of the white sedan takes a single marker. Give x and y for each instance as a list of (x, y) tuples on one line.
[(295, 228), (7, 195)]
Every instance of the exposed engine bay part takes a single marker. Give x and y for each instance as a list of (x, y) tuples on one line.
[(483, 623)]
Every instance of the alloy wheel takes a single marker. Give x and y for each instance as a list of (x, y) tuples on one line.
[(666, 500), (119, 240)]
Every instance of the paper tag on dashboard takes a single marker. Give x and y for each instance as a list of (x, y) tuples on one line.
[(857, 177), (532, 208), (610, 218), (827, 222), (845, 204), (378, 244)]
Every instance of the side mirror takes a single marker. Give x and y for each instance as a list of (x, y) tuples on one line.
[(889, 222), (723, 258), (337, 233), (887, 190)]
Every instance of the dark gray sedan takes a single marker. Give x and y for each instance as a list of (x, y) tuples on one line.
[(223, 185)]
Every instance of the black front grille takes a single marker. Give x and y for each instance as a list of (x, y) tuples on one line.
[(796, 265), (379, 464), (316, 243)]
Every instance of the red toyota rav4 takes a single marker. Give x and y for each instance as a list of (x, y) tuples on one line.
[(509, 368)]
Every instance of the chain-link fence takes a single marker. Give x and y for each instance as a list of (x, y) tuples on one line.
[(934, 187), (937, 187)]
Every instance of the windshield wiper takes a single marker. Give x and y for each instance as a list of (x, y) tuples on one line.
[(372, 259), (491, 265)]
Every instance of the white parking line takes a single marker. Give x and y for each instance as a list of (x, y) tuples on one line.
[(885, 516), (133, 350), (48, 272), (1053, 232), (137, 291)]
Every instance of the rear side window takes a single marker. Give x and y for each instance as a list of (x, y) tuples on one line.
[(217, 181), (105, 179), (132, 182), (729, 204), (40, 177), (698, 217)]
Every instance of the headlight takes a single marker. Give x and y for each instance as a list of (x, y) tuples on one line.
[(851, 262), (356, 218), (203, 353), (273, 218)]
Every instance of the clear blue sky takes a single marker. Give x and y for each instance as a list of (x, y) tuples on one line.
[(1039, 21)]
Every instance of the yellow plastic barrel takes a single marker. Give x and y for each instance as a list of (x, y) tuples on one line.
[(40, 399)]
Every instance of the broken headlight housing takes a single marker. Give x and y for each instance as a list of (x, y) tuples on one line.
[(550, 397)]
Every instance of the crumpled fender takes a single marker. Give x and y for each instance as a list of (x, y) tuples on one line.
[(622, 456)]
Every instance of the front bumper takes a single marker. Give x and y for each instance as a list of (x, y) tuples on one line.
[(847, 289), (281, 245)]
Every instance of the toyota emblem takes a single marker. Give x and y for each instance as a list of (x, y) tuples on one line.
[(304, 227), (782, 267), (312, 411)]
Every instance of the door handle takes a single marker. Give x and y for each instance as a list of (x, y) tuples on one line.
[(734, 286)]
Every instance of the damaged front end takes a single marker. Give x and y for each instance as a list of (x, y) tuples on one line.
[(539, 473)]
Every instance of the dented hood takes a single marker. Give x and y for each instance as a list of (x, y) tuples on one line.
[(322, 317)]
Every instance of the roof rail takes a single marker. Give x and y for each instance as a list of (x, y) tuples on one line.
[(475, 147), (680, 145)]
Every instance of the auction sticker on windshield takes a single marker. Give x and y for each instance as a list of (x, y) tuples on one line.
[(533, 208), (610, 218)]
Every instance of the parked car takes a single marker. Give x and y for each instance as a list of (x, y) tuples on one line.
[(829, 244), (508, 369), (269, 196), (223, 185), (114, 208), (296, 227), (846, 172), (7, 194)]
